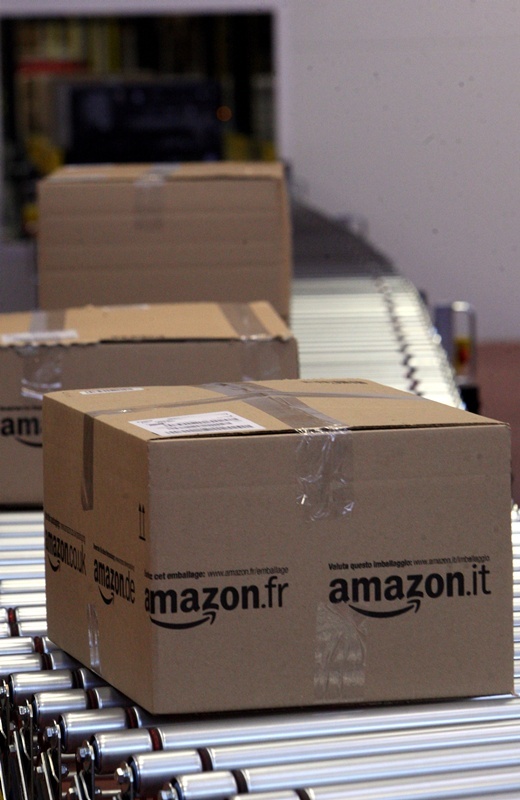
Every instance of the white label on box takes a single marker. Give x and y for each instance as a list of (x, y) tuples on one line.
[(48, 337), (198, 424), (116, 390)]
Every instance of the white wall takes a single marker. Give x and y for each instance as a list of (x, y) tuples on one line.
[(407, 113)]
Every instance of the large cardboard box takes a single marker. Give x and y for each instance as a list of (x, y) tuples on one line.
[(277, 544), (122, 345), (134, 233)]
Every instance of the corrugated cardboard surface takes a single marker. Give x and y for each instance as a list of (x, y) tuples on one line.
[(144, 233), (354, 547), (122, 345)]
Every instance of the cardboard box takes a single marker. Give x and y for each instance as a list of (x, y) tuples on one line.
[(135, 233), (277, 544), (122, 345)]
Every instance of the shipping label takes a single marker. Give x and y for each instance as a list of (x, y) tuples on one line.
[(216, 422)]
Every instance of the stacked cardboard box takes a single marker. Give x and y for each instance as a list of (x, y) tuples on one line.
[(135, 233), (282, 543), (258, 544), (120, 346)]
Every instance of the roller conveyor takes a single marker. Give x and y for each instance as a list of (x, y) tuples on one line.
[(63, 731), (355, 316), (375, 328), (66, 732)]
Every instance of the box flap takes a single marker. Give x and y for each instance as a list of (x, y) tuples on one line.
[(129, 173), (147, 322), (263, 407)]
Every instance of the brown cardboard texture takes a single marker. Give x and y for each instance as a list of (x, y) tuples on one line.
[(122, 345), (134, 233), (279, 544)]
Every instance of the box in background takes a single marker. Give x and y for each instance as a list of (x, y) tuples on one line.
[(134, 233), (279, 544), (122, 345)]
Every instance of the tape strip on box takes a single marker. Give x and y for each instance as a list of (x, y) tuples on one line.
[(244, 321), (322, 462), (289, 409), (339, 655), (42, 364), (323, 452), (149, 201)]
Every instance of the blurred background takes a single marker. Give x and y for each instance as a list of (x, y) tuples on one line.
[(401, 118)]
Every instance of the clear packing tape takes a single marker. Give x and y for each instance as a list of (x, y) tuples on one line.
[(340, 653), (42, 348), (323, 457), (149, 201), (41, 370), (323, 450), (257, 363), (41, 366), (323, 473)]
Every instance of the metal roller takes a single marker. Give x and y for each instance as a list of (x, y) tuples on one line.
[(30, 613), (44, 645), (49, 706), (120, 746), (373, 744), (86, 679), (22, 686), (20, 662), (105, 696), (12, 586), (145, 776), (329, 723), (110, 749), (344, 771), (22, 571), (143, 719), (17, 644), (20, 558), (207, 785), (22, 529), (59, 659), (22, 519), (494, 783), (20, 542), (76, 726), (167, 794), (334, 748), (32, 628), (21, 599), (381, 768)]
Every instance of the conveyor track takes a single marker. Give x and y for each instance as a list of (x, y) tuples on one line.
[(355, 316), (374, 328), (65, 731)]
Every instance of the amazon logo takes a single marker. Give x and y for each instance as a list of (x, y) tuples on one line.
[(113, 583), (195, 606), (207, 616), (54, 565), (61, 552), (23, 428), (395, 595)]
